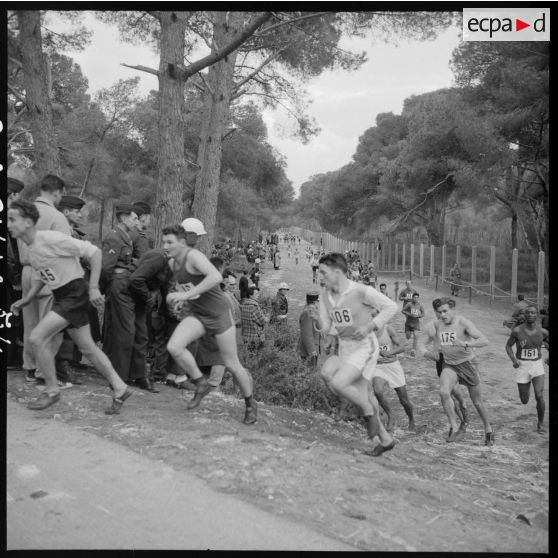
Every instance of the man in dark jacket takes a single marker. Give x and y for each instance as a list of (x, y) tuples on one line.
[(280, 305), (309, 341)]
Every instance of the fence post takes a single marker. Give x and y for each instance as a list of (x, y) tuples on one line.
[(383, 252), (492, 270), (421, 260), (436, 287), (412, 261), (458, 254), (396, 257), (403, 249), (540, 281), (432, 254), (473, 265), (515, 256), (443, 262), (389, 256)]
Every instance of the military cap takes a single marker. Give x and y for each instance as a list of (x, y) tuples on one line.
[(138, 210), (146, 209), (312, 296), (71, 202), (124, 208), (14, 185)]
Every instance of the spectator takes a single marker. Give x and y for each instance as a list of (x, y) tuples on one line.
[(253, 320), (455, 278), (277, 259), (243, 284), (309, 341), (280, 305)]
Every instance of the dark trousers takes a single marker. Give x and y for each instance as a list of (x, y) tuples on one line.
[(125, 331), (159, 339)]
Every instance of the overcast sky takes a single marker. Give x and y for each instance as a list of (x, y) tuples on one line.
[(344, 104)]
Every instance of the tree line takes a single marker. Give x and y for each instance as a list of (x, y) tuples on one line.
[(479, 149), (196, 146)]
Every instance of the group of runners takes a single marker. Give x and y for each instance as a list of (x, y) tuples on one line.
[(356, 313)]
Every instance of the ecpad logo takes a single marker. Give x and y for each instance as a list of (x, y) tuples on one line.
[(519, 24)]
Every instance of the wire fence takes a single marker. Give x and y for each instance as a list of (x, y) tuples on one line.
[(491, 273)]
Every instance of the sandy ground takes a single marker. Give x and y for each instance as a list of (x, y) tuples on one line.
[(425, 495)]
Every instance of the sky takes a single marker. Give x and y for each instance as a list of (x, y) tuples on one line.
[(344, 104)]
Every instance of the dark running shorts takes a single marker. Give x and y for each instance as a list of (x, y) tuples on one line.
[(213, 323), (71, 301), (440, 364), (411, 327), (467, 372)]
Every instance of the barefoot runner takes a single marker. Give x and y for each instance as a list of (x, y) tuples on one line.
[(344, 311), (457, 336), (528, 338), (209, 312), (55, 258)]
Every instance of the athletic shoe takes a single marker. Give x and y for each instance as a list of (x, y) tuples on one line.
[(117, 402), (65, 373), (413, 353), (489, 439), (452, 436), (43, 401), (202, 389), (30, 376), (379, 449), (251, 413)]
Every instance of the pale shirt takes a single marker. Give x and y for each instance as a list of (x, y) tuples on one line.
[(351, 310), (55, 257)]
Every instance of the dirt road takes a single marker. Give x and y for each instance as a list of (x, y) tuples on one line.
[(425, 495)]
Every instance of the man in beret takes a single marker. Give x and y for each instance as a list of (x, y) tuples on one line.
[(125, 330), (13, 291), (309, 341)]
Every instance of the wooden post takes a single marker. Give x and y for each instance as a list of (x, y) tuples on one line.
[(458, 254), (403, 249), (540, 281), (421, 260), (436, 287), (473, 265), (515, 256), (389, 257), (412, 262), (396, 257), (432, 254), (443, 262), (470, 293), (492, 270)]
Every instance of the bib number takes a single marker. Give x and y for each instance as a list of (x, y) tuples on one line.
[(447, 337), (384, 349), (47, 275), (342, 316), (529, 354), (415, 312)]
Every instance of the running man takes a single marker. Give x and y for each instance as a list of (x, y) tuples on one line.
[(413, 312), (528, 338), (208, 312), (315, 264), (456, 337), (437, 356), (406, 295), (55, 258), (344, 311), (390, 372)]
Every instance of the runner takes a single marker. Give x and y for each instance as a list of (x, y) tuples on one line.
[(208, 312), (383, 289), (528, 338), (406, 295), (315, 263), (55, 258), (344, 311), (430, 333), (389, 372), (457, 336), (413, 311)]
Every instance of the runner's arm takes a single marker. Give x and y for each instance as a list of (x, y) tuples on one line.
[(36, 286), (398, 346), (387, 307), (478, 339), (509, 347), (427, 335)]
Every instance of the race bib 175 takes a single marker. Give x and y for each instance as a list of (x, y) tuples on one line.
[(448, 337)]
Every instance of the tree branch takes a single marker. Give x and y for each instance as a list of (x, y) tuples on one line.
[(289, 21), (142, 69), (17, 94), (214, 57), (252, 74)]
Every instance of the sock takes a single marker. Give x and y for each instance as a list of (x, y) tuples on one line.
[(248, 401)]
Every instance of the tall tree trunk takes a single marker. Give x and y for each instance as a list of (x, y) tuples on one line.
[(36, 83), (215, 120), (169, 204), (513, 229)]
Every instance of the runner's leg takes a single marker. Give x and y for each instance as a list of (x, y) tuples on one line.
[(379, 385), (406, 404), (538, 388), (476, 398), (187, 331), (101, 362), (448, 380), (40, 340), (524, 392), (226, 342)]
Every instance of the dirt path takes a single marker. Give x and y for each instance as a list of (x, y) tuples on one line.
[(425, 495)]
